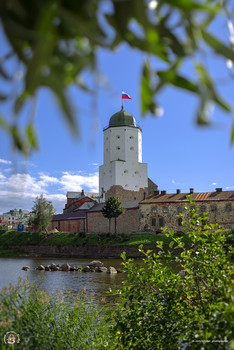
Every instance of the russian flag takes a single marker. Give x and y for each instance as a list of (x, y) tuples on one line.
[(126, 96)]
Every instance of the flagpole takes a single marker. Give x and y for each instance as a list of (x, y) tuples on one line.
[(122, 99)]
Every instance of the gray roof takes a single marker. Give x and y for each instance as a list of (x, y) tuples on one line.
[(69, 216), (134, 204)]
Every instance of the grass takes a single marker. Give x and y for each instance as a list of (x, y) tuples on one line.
[(13, 238)]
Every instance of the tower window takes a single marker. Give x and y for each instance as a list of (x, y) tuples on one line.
[(136, 172), (118, 137), (131, 137), (131, 148), (125, 171), (117, 147)]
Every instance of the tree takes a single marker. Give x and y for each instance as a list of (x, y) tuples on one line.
[(43, 211), (56, 41), (159, 309), (112, 209)]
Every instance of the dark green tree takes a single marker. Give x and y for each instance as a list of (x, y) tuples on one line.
[(43, 211), (56, 41), (112, 209)]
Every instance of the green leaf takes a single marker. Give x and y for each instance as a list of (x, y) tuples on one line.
[(32, 136), (218, 46), (232, 134)]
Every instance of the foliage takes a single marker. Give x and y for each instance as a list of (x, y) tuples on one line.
[(112, 209), (159, 309), (54, 42), (43, 211), (46, 321)]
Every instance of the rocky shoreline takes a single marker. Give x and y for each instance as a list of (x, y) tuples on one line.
[(93, 266)]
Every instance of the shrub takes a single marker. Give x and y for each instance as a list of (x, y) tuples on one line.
[(50, 322), (158, 309)]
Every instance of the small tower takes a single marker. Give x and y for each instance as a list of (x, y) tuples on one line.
[(123, 174)]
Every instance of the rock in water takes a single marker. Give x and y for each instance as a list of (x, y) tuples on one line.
[(40, 267), (25, 268), (111, 269), (96, 263), (86, 269), (65, 267)]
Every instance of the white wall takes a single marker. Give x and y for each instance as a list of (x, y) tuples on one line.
[(123, 159)]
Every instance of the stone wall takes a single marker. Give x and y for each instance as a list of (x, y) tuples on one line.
[(75, 225), (88, 252), (153, 214), (127, 222), (126, 195)]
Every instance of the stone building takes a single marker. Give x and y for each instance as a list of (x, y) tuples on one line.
[(128, 222), (162, 209)]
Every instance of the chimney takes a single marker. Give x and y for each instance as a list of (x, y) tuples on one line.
[(191, 190), (82, 193), (156, 193), (219, 189), (178, 191), (163, 193)]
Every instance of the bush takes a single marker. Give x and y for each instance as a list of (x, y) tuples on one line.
[(158, 309), (50, 322)]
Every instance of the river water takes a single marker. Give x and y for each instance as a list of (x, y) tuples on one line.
[(94, 284)]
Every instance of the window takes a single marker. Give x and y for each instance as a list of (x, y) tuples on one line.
[(179, 221), (153, 222), (118, 147), (154, 210), (203, 208), (165, 210), (228, 207), (118, 137), (131, 137), (125, 171), (179, 209), (131, 148), (161, 222), (136, 172), (213, 207)]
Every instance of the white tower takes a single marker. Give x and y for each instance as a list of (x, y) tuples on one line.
[(123, 155)]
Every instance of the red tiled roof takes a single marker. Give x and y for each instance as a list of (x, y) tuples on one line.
[(203, 196)]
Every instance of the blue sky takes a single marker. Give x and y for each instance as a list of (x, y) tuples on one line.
[(179, 153)]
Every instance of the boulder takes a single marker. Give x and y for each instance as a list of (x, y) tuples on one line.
[(47, 268), (65, 267), (54, 267), (101, 269), (96, 263), (25, 268), (40, 267), (111, 270), (86, 269)]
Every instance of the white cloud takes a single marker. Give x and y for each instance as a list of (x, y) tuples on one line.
[(20, 190), (70, 182), (4, 161), (214, 183)]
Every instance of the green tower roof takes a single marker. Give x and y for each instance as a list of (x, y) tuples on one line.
[(122, 118)]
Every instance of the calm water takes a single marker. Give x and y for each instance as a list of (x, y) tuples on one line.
[(95, 284)]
